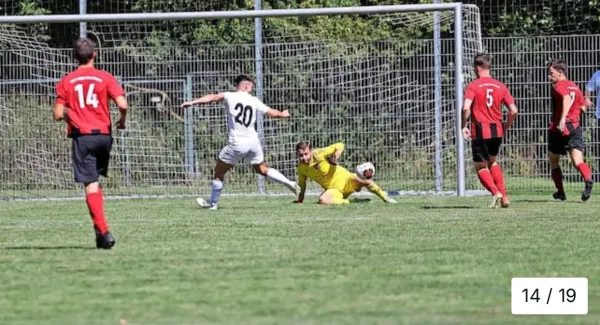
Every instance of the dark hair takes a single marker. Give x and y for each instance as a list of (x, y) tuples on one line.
[(302, 145), (558, 65), (84, 50), (483, 61), (243, 77)]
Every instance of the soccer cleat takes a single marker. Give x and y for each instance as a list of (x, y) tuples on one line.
[(206, 204), (391, 201), (496, 198), (505, 203), (106, 241), (559, 196), (587, 192)]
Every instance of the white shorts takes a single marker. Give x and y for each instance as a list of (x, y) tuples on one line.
[(250, 150)]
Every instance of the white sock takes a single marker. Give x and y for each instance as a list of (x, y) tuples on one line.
[(275, 176), (215, 191)]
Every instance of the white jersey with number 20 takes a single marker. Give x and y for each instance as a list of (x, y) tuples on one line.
[(242, 109)]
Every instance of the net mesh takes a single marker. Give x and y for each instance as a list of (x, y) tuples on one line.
[(372, 90)]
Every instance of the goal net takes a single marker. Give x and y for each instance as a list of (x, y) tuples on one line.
[(366, 80)]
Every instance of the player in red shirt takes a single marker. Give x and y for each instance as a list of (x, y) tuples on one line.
[(485, 97), (565, 133), (82, 101)]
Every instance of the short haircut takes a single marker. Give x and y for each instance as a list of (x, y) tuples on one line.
[(558, 65), (302, 145), (84, 50), (483, 61), (243, 77)]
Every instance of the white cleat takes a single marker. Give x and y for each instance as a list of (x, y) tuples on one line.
[(206, 204), (391, 201), (294, 187), (496, 199)]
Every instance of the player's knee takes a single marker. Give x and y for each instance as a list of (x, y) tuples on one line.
[(577, 157), (479, 165), (92, 187), (324, 200), (261, 169)]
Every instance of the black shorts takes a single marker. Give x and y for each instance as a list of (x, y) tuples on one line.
[(560, 144), (91, 154), (482, 149)]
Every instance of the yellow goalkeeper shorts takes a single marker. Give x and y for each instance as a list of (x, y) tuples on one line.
[(344, 189)]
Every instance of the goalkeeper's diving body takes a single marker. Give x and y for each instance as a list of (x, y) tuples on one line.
[(321, 165)]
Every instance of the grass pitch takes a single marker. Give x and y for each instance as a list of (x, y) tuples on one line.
[(427, 260)]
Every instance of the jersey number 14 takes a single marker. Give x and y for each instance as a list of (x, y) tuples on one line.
[(244, 114), (88, 98)]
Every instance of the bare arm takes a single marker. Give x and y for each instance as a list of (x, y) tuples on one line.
[(566, 107), (588, 100), (466, 112), (302, 184), (123, 107), (277, 114), (512, 116), (210, 98), (59, 112)]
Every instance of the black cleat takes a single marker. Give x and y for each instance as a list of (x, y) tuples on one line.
[(559, 196), (106, 241), (587, 192)]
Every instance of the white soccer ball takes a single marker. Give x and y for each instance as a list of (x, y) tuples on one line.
[(365, 170)]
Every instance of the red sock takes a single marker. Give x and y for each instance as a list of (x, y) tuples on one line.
[(487, 181), (496, 172), (95, 203), (557, 177), (585, 171)]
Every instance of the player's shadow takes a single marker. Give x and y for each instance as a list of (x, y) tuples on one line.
[(544, 201), (448, 207), (43, 248)]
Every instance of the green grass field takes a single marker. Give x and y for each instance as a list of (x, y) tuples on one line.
[(427, 260)]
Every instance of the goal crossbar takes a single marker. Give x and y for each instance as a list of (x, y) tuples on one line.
[(120, 17), (456, 7)]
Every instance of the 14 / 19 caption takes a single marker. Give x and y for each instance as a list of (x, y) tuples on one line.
[(549, 296)]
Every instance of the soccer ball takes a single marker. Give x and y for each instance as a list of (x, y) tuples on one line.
[(365, 170)]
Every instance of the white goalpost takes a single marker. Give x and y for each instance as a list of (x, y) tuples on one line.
[(394, 99)]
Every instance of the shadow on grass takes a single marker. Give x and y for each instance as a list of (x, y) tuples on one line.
[(43, 248), (442, 207), (545, 201)]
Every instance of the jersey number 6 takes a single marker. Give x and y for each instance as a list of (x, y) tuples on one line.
[(244, 115)]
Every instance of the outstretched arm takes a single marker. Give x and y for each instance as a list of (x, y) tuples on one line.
[(302, 184), (210, 98), (277, 114)]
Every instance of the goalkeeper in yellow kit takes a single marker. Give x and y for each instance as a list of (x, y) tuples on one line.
[(321, 165)]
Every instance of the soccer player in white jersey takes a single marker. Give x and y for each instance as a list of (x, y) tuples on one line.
[(243, 141)]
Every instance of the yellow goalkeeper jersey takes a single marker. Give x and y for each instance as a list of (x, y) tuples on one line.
[(321, 171)]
